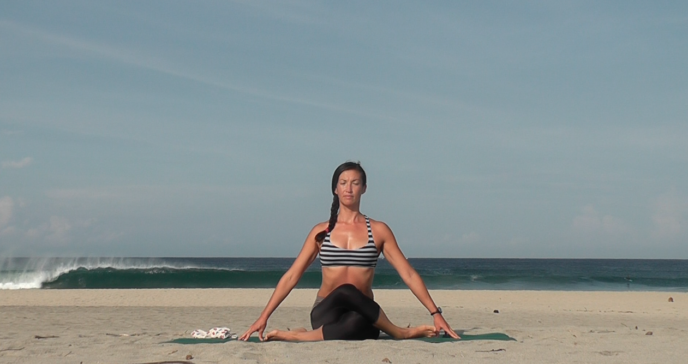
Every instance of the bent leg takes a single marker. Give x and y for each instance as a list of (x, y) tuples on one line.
[(343, 299), (351, 326), (348, 314), (383, 323), (298, 335)]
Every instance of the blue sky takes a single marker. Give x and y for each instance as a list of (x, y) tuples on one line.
[(527, 129)]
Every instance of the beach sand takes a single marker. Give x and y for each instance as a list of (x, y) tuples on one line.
[(131, 326)]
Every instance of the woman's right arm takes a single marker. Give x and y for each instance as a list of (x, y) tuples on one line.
[(308, 253)]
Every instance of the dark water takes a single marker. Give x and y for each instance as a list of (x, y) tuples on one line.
[(465, 274)]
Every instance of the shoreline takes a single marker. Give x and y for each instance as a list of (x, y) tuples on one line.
[(303, 297), (132, 326)]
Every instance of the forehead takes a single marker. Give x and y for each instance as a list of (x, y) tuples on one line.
[(351, 174)]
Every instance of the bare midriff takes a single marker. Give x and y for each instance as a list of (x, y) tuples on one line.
[(360, 277)]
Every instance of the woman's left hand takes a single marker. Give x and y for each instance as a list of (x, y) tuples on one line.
[(441, 324)]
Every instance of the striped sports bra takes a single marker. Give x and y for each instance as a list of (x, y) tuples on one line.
[(334, 256)]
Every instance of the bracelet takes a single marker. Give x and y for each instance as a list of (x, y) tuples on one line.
[(439, 310)]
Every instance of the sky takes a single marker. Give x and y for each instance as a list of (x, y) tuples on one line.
[(488, 129)]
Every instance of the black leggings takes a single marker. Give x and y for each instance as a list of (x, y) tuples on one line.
[(346, 314)]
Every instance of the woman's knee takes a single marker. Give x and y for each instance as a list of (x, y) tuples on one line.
[(351, 326)]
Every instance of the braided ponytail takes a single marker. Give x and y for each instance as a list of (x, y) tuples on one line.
[(334, 210)]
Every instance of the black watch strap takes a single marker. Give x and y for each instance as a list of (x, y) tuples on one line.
[(439, 310)]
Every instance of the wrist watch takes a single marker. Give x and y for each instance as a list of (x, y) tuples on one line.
[(439, 310)]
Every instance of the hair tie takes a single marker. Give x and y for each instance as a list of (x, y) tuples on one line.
[(327, 229)]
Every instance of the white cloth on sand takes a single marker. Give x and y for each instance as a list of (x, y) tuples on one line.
[(214, 333)]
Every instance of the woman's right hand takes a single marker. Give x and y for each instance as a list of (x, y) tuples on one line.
[(259, 326), (288, 281)]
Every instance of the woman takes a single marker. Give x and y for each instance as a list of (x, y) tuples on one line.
[(349, 245)]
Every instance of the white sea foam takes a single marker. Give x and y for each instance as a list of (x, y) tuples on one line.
[(31, 273)]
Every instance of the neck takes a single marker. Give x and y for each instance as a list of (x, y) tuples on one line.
[(348, 214)]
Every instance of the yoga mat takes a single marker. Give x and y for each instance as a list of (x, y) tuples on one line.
[(254, 339)]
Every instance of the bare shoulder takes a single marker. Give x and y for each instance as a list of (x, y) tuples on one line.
[(318, 228), (378, 224), (380, 228)]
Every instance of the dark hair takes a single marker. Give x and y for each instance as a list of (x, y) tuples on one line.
[(334, 210)]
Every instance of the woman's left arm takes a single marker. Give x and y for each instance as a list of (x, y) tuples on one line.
[(409, 275)]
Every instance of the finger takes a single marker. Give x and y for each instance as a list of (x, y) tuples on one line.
[(246, 335), (447, 330), (452, 333), (260, 334)]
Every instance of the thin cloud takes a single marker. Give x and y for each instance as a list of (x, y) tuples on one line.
[(590, 221), (17, 164), (8, 231), (668, 215), (155, 64), (465, 239), (59, 229), (295, 12), (6, 210), (144, 194)]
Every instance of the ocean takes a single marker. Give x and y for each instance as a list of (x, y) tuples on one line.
[(452, 274)]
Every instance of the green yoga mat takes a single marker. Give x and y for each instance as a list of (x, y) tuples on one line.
[(464, 337)]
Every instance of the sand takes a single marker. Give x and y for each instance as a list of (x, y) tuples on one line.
[(131, 326)]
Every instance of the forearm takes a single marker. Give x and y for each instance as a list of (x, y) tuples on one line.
[(282, 290), (417, 286)]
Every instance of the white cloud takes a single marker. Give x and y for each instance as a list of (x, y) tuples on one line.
[(465, 239), (668, 217), (590, 221), (6, 209), (8, 231), (519, 241), (58, 229), (17, 164), (34, 233), (470, 238)]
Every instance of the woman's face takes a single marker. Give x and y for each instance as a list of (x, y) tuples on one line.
[(350, 187)]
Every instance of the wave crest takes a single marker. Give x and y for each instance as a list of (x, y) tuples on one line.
[(32, 273)]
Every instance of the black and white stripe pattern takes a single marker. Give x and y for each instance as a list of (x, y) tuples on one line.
[(334, 256)]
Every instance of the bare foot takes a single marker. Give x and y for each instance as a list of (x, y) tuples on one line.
[(417, 331), (277, 335)]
